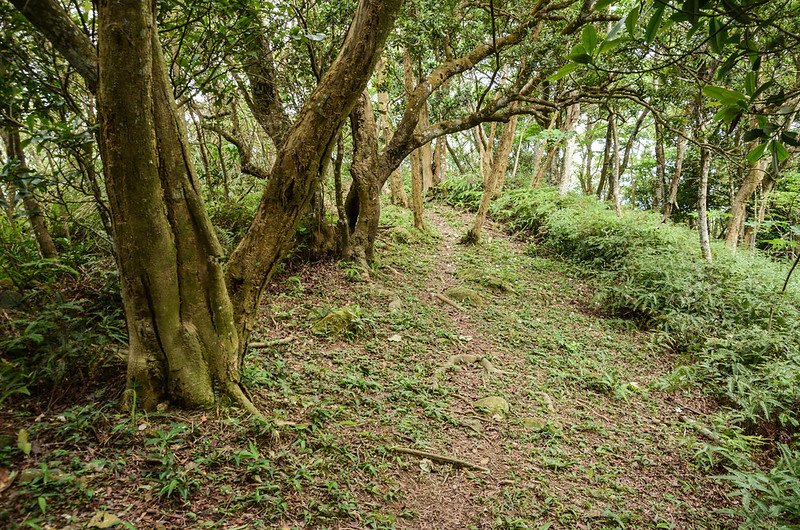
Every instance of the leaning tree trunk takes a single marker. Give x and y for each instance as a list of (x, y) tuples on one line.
[(182, 339), (499, 167), (33, 210), (752, 180), (672, 200), (301, 159), (614, 193)]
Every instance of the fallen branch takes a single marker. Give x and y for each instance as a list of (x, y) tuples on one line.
[(270, 343), (442, 459), (450, 302)]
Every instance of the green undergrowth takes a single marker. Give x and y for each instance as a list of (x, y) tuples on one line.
[(729, 318)]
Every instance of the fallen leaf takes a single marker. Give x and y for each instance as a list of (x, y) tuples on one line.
[(394, 338), (103, 519), (22, 442)]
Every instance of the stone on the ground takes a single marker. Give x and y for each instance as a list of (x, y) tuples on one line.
[(335, 323), (401, 234), (493, 405), (464, 295)]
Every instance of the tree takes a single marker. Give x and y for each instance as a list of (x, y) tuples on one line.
[(188, 318)]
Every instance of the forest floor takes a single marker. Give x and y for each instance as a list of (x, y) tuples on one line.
[(593, 436)]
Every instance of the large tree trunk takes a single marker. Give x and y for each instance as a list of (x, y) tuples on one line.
[(753, 178), (33, 210), (182, 340), (417, 158), (702, 204), (301, 159), (366, 182)]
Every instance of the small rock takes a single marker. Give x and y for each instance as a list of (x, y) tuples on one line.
[(335, 323), (464, 295), (401, 234), (29, 475), (494, 405)]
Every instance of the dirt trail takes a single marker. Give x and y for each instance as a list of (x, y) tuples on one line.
[(588, 441)]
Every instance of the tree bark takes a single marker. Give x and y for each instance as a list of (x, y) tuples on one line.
[(499, 165), (565, 178), (33, 210), (671, 201), (661, 169), (301, 159), (753, 178), (615, 194), (439, 160), (398, 195), (182, 340), (702, 204), (605, 170)]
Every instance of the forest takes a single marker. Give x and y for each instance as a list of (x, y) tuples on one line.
[(414, 264)]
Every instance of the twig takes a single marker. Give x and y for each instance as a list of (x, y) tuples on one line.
[(449, 302), (705, 431), (442, 459)]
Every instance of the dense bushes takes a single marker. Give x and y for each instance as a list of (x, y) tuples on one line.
[(729, 316)]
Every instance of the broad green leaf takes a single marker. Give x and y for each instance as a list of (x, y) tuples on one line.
[(753, 134), (655, 22), (583, 58), (564, 71), (790, 137), (756, 153), (589, 38), (750, 83), (779, 151), (609, 45), (631, 20), (723, 95)]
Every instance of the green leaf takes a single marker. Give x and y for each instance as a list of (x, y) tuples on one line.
[(724, 95), (615, 29), (609, 45), (655, 23), (717, 34), (790, 137), (750, 83), (779, 151), (583, 58), (564, 71), (42, 504), (728, 65), (630, 21), (753, 134), (589, 38), (756, 153)]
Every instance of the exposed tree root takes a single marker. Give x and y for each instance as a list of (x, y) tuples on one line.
[(442, 459), (449, 301), (234, 391), (270, 343), (468, 358)]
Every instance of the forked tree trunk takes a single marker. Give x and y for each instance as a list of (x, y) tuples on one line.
[(753, 178)]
